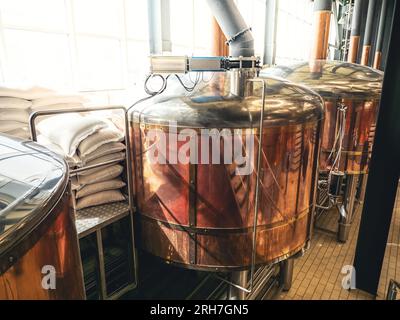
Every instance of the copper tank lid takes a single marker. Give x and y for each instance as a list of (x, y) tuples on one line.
[(212, 105), (332, 78)]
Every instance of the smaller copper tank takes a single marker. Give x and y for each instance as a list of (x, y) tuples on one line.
[(356, 88), (37, 228)]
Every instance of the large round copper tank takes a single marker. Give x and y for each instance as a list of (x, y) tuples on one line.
[(201, 215), (356, 87), (39, 252)]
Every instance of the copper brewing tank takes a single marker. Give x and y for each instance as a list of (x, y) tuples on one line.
[(356, 87), (200, 216), (37, 231)]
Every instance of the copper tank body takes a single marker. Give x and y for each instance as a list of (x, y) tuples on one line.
[(37, 228), (201, 215), (356, 87)]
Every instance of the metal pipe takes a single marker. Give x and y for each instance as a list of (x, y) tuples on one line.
[(34, 115), (271, 22), (379, 39), (355, 32), (322, 22), (241, 279), (263, 276), (347, 32), (154, 28), (159, 26), (368, 33), (287, 273), (240, 38), (346, 210)]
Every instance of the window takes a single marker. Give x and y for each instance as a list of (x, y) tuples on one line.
[(294, 30), (253, 12), (99, 17), (191, 32), (96, 46), (101, 46), (136, 19), (100, 63), (37, 57), (34, 14)]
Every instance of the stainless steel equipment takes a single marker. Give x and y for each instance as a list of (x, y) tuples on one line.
[(38, 237)]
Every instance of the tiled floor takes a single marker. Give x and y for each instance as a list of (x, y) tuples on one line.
[(317, 275)]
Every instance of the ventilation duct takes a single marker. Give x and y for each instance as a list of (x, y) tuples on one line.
[(240, 38)]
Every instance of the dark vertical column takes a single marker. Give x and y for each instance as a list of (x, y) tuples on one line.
[(355, 31), (384, 173), (368, 32), (379, 39), (386, 37)]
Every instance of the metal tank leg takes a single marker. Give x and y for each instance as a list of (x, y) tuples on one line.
[(239, 278), (363, 187), (346, 209), (287, 274)]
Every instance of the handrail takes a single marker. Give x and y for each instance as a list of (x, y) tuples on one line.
[(248, 288)]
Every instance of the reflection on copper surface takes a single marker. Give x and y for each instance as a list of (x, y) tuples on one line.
[(225, 201), (37, 227), (58, 247), (377, 60), (353, 49), (201, 215)]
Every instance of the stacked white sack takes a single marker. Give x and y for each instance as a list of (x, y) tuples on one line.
[(58, 102), (85, 141), (16, 105)]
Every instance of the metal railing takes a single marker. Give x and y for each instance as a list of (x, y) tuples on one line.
[(393, 289), (75, 171)]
